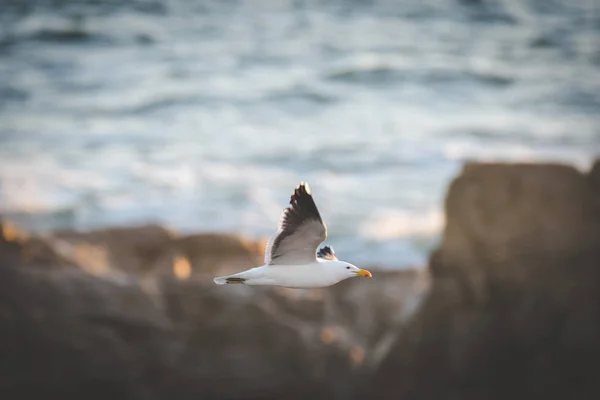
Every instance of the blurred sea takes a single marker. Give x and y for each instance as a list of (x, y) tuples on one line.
[(204, 115)]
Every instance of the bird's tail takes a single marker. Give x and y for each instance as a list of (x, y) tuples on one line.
[(228, 280)]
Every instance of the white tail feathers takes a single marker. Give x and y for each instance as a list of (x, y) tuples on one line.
[(221, 280)]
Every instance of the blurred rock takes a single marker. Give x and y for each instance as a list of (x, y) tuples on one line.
[(514, 307), (9, 247), (145, 250), (139, 249), (132, 313), (218, 254), (497, 214), (135, 315), (17, 248)]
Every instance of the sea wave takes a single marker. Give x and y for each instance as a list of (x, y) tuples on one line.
[(204, 116), (389, 224)]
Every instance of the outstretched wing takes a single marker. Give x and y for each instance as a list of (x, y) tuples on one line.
[(327, 253), (301, 231)]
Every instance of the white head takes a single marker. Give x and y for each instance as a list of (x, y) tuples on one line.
[(345, 270)]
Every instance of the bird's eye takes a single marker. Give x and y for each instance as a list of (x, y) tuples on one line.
[(347, 267)]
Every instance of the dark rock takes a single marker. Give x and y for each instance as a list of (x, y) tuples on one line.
[(148, 250), (218, 254), (17, 248), (117, 324), (514, 307), (132, 313), (139, 249), (10, 248)]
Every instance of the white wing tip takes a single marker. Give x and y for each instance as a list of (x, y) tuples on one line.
[(305, 184)]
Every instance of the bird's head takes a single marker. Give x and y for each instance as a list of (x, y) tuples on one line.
[(347, 270)]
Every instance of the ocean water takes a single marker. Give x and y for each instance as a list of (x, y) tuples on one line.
[(204, 115)]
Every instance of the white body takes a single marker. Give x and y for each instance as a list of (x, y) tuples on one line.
[(321, 273)]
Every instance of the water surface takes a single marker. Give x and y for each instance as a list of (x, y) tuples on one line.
[(204, 115)]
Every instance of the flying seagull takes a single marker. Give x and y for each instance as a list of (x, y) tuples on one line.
[(291, 257)]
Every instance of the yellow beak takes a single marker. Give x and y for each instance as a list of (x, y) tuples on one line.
[(364, 273)]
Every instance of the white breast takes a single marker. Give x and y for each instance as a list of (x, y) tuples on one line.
[(312, 275)]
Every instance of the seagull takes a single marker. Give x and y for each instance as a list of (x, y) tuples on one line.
[(291, 256)]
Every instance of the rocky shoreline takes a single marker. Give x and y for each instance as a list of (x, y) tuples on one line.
[(133, 313), (508, 307)]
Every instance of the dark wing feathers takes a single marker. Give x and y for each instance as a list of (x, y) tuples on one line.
[(301, 230), (327, 253)]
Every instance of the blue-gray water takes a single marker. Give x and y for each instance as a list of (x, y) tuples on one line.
[(205, 115)]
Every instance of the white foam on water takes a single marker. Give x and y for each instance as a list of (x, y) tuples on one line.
[(384, 225), (206, 121)]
